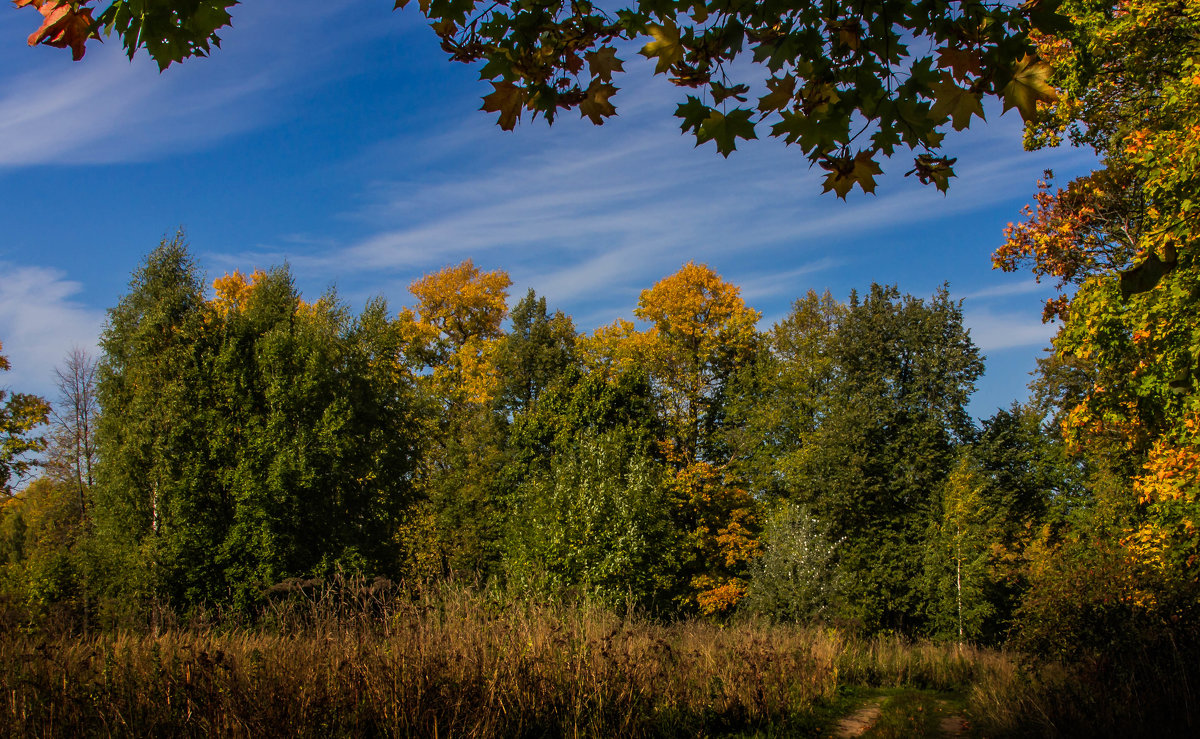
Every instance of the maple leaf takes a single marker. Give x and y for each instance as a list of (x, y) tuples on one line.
[(693, 113), (62, 25), (958, 103), (782, 92), (603, 62), (666, 46), (596, 105), (961, 62), (1028, 86), (726, 129), (865, 169), (845, 172), (506, 100), (839, 179), (937, 170)]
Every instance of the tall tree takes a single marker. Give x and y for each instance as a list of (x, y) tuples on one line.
[(890, 418), (156, 504), (72, 458), (455, 330), (538, 349), (700, 334)]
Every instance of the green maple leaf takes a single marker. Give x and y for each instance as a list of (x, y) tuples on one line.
[(506, 100), (666, 46), (596, 105), (839, 180), (1028, 85), (782, 92), (603, 62), (846, 172), (864, 171), (693, 113), (958, 103), (726, 129), (887, 138)]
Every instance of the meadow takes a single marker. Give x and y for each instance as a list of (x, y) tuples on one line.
[(373, 660)]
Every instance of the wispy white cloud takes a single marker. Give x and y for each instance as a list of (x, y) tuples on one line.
[(1025, 287), (108, 109), (41, 319), (993, 331)]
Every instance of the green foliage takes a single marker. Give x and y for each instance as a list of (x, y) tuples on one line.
[(958, 557), (796, 578), (848, 83), (597, 524), (885, 381), (251, 439), (169, 31), (538, 349)]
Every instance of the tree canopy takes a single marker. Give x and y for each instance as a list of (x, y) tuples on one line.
[(849, 83)]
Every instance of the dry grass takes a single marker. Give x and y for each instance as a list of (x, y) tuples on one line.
[(375, 661), (452, 663)]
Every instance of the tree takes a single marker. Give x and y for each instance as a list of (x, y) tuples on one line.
[(247, 439), (156, 508), (700, 333), (539, 349), (885, 429), (19, 416), (72, 457), (959, 556), (848, 82), (455, 333), (797, 577), (1124, 238), (597, 522)]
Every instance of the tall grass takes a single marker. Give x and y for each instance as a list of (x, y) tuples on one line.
[(447, 663), (372, 660)]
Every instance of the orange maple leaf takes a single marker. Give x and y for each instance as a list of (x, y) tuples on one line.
[(63, 25)]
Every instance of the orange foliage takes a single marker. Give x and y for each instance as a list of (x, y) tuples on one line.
[(62, 25), (719, 516), (233, 291)]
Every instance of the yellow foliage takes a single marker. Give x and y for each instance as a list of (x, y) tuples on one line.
[(616, 348), (233, 291), (462, 302), (456, 325), (699, 313)]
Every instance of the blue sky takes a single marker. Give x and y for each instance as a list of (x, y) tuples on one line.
[(338, 138)]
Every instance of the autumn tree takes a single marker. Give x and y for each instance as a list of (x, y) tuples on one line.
[(700, 333), (20, 415), (848, 83), (455, 332), (1122, 241)]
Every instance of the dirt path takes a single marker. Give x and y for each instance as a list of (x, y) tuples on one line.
[(857, 723)]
